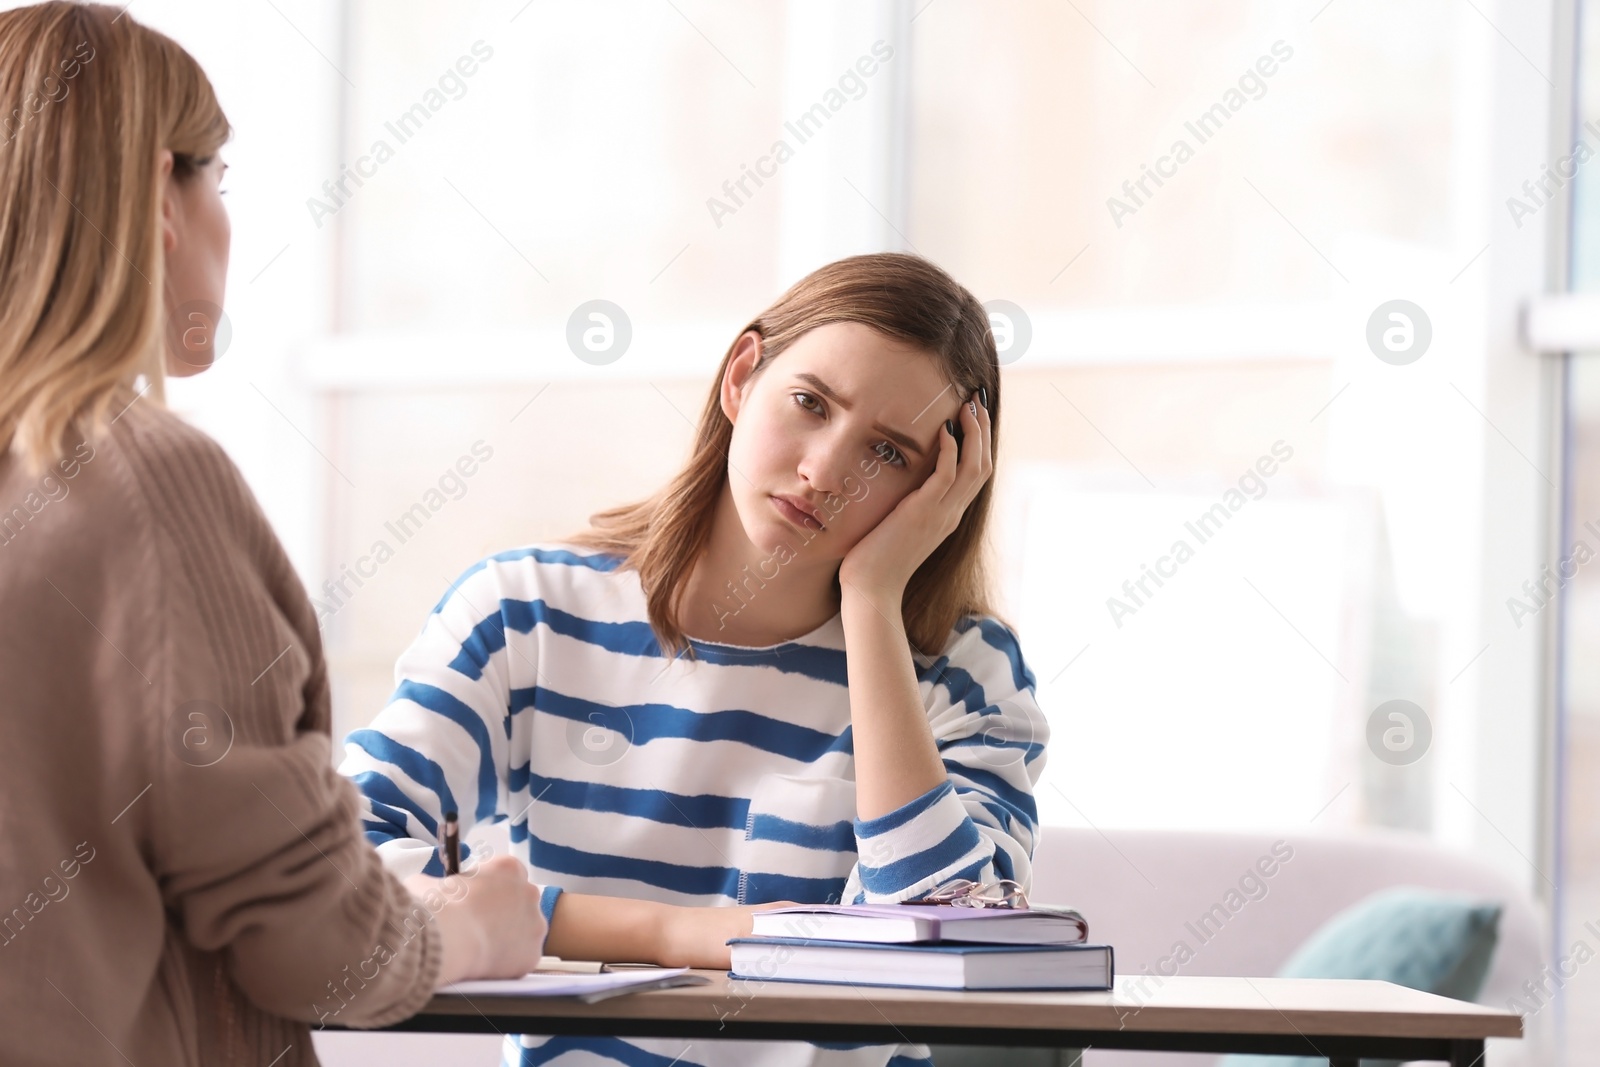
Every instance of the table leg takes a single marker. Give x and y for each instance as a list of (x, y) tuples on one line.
[(1466, 1053)]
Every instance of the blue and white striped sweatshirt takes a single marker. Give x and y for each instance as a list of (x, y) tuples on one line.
[(537, 693)]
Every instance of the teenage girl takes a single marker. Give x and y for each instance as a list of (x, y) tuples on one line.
[(778, 679)]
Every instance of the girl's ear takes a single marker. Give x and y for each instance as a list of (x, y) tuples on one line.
[(736, 381), (169, 231)]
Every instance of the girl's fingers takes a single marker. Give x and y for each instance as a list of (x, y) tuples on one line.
[(985, 435), (974, 465), (946, 466)]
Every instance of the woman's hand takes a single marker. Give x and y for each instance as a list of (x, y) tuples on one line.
[(697, 937), (490, 925), (882, 562)]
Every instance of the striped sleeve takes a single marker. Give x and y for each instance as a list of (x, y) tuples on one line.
[(441, 742), (982, 822)]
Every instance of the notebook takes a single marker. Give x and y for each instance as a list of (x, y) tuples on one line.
[(942, 966), (904, 923)]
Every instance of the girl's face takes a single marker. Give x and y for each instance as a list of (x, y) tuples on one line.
[(846, 422)]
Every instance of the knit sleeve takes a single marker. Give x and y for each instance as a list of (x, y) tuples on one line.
[(981, 823), (255, 838)]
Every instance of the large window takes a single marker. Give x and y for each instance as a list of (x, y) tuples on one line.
[(1196, 217)]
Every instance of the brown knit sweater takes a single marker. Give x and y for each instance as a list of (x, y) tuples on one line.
[(183, 873)]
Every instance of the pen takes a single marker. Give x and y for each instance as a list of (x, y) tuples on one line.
[(452, 845)]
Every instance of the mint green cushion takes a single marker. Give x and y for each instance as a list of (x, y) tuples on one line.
[(1437, 942)]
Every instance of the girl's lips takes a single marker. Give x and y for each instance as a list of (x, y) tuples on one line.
[(795, 515)]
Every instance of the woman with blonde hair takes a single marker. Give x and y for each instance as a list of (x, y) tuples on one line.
[(185, 877), (779, 678)]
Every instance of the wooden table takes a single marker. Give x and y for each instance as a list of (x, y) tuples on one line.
[(1339, 1020)]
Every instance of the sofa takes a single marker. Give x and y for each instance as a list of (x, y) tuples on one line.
[(1144, 891)]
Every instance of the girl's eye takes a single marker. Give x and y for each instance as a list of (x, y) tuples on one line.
[(890, 454), (884, 450)]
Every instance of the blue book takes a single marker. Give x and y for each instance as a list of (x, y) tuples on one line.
[(936, 966)]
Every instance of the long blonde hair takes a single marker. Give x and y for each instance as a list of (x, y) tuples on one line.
[(900, 295), (88, 98)]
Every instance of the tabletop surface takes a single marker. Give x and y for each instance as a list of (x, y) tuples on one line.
[(1327, 1006)]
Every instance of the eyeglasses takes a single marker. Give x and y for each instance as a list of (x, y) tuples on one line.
[(965, 893)]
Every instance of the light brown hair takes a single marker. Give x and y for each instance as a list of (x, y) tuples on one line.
[(88, 99), (902, 296)]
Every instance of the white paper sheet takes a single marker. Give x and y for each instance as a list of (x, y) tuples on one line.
[(563, 984)]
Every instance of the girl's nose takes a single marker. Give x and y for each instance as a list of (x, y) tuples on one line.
[(826, 467)]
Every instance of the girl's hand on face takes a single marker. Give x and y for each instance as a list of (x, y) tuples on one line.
[(697, 937), (882, 562)]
